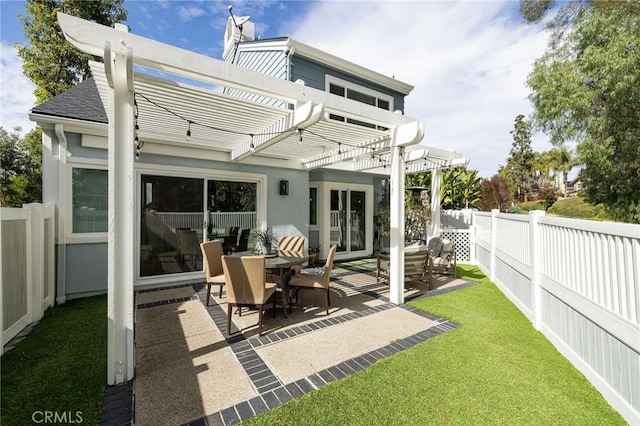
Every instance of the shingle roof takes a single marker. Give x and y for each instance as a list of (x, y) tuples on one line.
[(81, 102)]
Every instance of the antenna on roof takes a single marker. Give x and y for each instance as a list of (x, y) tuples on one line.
[(240, 27)]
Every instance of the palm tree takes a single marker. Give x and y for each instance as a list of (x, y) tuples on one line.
[(543, 163), (563, 161)]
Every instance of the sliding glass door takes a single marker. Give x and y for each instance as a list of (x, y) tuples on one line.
[(179, 213), (171, 224)]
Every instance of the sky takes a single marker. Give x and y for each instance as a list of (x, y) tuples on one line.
[(468, 60)]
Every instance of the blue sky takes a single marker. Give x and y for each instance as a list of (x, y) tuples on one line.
[(468, 60)]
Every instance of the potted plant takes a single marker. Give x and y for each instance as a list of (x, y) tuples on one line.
[(265, 240), (313, 255)]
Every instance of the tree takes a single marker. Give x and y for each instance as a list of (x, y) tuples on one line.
[(20, 168), (586, 89), (563, 161), (49, 61), (549, 194), (521, 161), (542, 164), (494, 194)]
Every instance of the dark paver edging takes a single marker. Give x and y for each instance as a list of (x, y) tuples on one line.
[(117, 407), (272, 397), (118, 403)]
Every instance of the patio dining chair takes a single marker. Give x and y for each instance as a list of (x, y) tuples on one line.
[(187, 245), (243, 242), (212, 258), (231, 239), (316, 281), (293, 247), (246, 285)]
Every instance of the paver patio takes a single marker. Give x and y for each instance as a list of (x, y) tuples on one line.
[(189, 371)]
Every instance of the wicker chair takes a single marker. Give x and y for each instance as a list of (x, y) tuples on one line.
[(212, 257), (292, 247), (316, 281), (188, 245), (246, 285)]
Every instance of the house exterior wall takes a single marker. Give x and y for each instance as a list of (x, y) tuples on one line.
[(86, 269), (84, 258), (314, 75), (341, 176), (270, 62), (277, 63)]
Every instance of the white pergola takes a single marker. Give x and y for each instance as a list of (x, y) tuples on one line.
[(245, 129)]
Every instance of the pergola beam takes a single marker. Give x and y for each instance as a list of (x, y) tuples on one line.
[(90, 37), (303, 116)]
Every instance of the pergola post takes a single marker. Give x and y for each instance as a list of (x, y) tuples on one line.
[(121, 203), (396, 267), (434, 225)]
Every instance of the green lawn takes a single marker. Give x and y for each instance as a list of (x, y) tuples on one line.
[(61, 366), (494, 369)]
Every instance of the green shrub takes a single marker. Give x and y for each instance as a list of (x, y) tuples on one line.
[(578, 208), (515, 210), (531, 205)]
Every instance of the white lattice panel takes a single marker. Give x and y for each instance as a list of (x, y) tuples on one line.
[(462, 240)]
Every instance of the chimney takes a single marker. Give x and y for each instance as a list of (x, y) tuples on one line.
[(232, 35)]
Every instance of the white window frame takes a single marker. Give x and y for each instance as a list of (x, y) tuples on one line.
[(80, 237), (324, 216), (329, 79), (315, 226)]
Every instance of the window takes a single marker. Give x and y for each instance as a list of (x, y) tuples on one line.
[(313, 206), (360, 94), (89, 198)]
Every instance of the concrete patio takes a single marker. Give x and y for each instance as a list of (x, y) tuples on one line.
[(188, 371)]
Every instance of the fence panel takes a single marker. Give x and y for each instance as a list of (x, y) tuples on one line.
[(16, 272), (458, 219), (595, 260), (482, 221), (513, 237), (27, 262), (579, 283)]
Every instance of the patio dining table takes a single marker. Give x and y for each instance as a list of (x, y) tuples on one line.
[(278, 268)]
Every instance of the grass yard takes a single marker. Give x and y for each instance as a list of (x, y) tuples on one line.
[(61, 366), (494, 369)]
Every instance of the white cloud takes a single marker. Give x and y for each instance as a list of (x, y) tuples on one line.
[(17, 91), (187, 14), (467, 60)]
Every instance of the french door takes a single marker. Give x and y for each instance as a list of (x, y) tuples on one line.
[(348, 220)]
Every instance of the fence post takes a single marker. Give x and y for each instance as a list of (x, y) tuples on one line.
[(472, 238), (536, 264), (494, 241), (37, 262)]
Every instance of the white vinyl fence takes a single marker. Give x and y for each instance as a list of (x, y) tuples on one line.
[(578, 281), (27, 262)]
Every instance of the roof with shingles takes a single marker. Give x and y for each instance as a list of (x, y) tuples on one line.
[(81, 102)]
